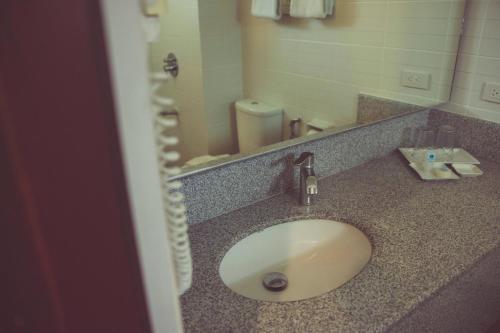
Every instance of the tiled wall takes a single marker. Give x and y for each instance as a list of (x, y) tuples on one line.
[(316, 68), (222, 71), (180, 33), (479, 61)]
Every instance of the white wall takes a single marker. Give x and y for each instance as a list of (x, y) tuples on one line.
[(127, 52), (205, 36), (222, 71), (479, 61), (180, 33), (316, 68)]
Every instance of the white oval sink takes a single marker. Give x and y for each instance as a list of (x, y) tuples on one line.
[(316, 256)]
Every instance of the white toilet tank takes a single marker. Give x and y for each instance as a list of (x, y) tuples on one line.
[(258, 124)]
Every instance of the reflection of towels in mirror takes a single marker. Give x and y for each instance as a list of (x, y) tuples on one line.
[(154, 7), (311, 8), (151, 28), (266, 8)]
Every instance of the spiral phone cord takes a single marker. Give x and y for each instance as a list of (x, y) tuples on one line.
[(173, 199)]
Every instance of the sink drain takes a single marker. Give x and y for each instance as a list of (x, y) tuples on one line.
[(275, 281)]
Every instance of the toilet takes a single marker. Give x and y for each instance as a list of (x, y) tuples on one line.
[(258, 124)]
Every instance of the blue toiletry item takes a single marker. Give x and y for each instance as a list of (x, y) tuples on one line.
[(430, 156)]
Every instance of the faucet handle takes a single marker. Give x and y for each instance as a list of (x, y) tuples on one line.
[(307, 158)]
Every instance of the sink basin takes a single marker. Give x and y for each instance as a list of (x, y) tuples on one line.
[(316, 256)]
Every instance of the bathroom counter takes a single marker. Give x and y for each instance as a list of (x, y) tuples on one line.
[(424, 235)]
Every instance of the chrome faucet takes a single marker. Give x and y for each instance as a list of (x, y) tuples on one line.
[(308, 180)]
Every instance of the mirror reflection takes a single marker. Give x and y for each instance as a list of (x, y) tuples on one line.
[(255, 73)]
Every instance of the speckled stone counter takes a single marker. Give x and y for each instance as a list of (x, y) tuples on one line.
[(372, 108), (424, 236)]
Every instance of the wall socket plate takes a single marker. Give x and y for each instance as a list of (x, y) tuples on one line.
[(415, 79), (491, 92)]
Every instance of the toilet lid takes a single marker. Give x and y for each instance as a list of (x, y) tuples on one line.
[(256, 108)]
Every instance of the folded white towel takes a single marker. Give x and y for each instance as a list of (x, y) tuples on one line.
[(151, 27), (266, 8), (311, 8)]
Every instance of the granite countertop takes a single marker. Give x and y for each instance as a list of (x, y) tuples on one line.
[(424, 234)]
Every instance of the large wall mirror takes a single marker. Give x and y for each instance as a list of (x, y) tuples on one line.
[(247, 81)]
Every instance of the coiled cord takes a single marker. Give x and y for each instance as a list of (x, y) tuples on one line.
[(173, 199)]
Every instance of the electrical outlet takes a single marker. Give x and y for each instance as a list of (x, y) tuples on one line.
[(414, 79), (491, 92)]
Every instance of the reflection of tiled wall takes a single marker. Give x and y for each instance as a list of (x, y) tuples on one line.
[(318, 67), (180, 33), (222, 71), (479, 61)]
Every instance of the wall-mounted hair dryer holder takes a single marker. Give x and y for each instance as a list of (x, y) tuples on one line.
[(171, 65)]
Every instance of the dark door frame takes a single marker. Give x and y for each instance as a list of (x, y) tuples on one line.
[(67, 250)]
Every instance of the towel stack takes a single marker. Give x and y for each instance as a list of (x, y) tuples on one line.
[(297, 8), (311, 8), (266, 9)]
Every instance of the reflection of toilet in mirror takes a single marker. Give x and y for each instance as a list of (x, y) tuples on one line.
[(258, 125)]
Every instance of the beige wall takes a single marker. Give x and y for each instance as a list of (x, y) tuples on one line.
[(206, 37), (479, 61), (222, 72), (180, 33), (316, 68)]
